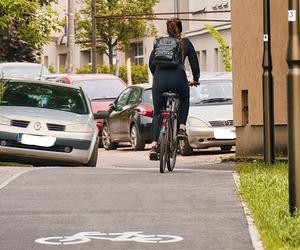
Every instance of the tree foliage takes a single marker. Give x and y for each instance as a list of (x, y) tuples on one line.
[(114, 33), (224, 48), (25, 26)]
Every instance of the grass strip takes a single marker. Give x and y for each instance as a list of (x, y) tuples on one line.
[(13, 164), (265, 190)]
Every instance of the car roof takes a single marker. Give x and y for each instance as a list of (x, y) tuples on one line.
[(215, 75), (143, 85), (41, 82), (78, 77), (19, 64)]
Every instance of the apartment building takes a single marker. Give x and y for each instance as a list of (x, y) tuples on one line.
[(55, 53)]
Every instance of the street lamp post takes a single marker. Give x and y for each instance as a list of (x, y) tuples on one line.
[(71, 36), (293, 99), (268, 89), (94, 35)]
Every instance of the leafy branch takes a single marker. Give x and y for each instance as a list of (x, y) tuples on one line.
[(223, 46)]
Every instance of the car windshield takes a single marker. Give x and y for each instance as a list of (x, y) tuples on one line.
[(24, 71), (32, 94), (101, 89), (211, 92)]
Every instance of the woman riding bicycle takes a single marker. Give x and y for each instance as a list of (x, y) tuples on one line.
[(174, 80)]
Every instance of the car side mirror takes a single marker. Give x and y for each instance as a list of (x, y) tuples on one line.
[(101, 115)]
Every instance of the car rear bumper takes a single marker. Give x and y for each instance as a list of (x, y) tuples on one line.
[(145, 128), (205, 137)]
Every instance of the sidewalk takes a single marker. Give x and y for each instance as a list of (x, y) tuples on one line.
[(127, 200)]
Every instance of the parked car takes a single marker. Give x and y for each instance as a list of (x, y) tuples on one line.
[(23, 70), (129, 118), (210, 120), (101, 89), (47, 121)]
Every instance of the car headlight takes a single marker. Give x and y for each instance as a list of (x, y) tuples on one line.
[(80, 128), (194, 122), (4, 121)]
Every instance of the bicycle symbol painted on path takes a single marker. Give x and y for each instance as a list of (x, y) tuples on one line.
[(84, 237)]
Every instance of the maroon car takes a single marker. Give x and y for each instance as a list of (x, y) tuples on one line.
[(101, 89)]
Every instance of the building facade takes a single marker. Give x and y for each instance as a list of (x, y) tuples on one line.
[(55, 53), (247, 46)]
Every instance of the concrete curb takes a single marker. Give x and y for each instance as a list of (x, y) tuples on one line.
[(12, 178), (254, 234)]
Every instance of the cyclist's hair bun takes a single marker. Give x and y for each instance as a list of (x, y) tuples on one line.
[(174, 27)]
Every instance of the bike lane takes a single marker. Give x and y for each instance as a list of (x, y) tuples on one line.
[(122, 209)]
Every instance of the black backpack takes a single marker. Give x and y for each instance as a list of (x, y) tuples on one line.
[(167, 52)]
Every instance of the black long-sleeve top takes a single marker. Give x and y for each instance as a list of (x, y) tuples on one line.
[(189, 51)]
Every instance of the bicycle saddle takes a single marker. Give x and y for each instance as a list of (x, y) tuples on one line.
[(170, 94)]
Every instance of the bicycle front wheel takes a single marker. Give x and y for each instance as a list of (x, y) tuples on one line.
[(164, 151)]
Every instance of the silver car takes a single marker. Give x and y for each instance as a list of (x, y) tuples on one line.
[(210, 119), (47, 121), (23, 70)]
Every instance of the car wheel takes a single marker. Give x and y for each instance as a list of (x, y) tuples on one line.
[(106, 139), (93, 160), (136, 141), (184, 147), (226, 148)]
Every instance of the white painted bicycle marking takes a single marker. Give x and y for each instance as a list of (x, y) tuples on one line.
[(84, 237)]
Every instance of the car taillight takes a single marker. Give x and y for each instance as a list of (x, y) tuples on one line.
[(144, 110)]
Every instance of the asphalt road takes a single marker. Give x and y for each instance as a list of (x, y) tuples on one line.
[(125, 203)]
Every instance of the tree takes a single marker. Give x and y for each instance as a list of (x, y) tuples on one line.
[(224, 48), (25, 26), (114, 33)]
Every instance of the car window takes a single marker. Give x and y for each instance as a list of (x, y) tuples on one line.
[(211, 91), (47, 96), (134, 96), (100, 89), (123, 98), (147, 96)]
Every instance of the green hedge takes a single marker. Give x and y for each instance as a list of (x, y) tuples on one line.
[(139, 72)]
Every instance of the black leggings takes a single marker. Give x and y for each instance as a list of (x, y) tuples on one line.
[(165, 80)]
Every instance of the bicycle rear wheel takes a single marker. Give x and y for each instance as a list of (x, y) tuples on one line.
[(173, 144), (164, 151)]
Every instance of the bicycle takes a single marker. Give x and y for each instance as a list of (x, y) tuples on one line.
[(168, 139)]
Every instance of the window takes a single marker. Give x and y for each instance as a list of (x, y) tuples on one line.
[(245, 109), (216, 59), (123, 98), (138, 53), (134, 96), (48, 96), (46, 61), (203, 60)]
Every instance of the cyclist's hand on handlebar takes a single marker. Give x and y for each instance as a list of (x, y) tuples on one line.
[(193, 83)]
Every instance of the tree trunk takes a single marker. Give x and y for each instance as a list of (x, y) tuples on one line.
[(110, 54)]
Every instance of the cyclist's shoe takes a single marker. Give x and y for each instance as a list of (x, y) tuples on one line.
[(154, 153), (181, 134)]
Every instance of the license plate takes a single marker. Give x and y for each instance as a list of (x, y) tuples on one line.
[(36, 140), (224, 134)]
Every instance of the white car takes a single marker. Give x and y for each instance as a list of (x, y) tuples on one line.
[(23, 70), (210, 119), (47, 121)]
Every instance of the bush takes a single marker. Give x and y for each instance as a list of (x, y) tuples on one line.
[(139, 72)]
